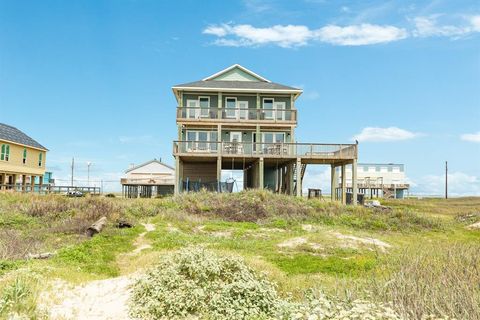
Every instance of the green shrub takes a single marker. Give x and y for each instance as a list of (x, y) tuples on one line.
[(195, 281)]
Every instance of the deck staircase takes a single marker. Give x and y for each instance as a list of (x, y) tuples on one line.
[(388, 193), (302, 173)]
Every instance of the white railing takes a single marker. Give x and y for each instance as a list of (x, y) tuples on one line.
[(256, 149)]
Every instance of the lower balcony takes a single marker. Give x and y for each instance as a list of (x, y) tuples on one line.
[(265, 150)]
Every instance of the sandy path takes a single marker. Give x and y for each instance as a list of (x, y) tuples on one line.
[(102, 299)]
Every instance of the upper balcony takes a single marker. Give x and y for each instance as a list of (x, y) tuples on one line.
[(313, 151), (242, 115)]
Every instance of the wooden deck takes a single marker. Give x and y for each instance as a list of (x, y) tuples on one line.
[(307, 152)]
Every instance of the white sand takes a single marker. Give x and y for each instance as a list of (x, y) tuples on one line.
[(102, 299)]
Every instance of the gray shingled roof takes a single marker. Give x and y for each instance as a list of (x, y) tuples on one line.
[(12, 134), (237, 85)]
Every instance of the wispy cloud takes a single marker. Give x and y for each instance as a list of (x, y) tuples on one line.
[(459, 184), (376, 134), (471, 137), (432, 26), (357, 34), (299, 35)]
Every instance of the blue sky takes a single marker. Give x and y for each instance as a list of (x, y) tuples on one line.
[(92, 79)]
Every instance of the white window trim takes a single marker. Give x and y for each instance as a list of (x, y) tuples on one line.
[(240, 134), (282, 112), (235, 109), (209, 135), (271, 110), (200, 107), (242, 112)]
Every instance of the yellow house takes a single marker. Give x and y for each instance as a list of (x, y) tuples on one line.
[(22, 159)]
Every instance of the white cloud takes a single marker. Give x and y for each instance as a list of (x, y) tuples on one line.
[(299, 35), (287, 36), (376, 134), (357, 35), (459, 184), (317, 177), (472, 137), (429, 26)]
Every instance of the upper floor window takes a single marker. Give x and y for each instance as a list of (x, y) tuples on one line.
[(24, 159), (5, 152), (204, 103), (231, 106), (40, 159)]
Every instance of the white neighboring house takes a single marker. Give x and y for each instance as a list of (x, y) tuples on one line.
[(386, 180), (150, 179)]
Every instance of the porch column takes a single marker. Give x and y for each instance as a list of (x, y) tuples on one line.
[(344, 185), (260, 174), (3, 177), (32, 183), (299, 177), (14, 182), (219, 139), (219, 174), (40, 184), (220, 103), (177, 175), (259, 139), (24, 182), (334, 182), (354, 182)]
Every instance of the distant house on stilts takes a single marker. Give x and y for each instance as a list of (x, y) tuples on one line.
[(150, 179)]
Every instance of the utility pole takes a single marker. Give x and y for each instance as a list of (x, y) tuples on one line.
[(446, 180), (88, 173), (73, 165)]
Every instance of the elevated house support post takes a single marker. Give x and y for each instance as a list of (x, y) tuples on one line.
[(14, 182), (219, 173), (260, 174), (32, 183), (24, 182), (334, 182), (177, 176), (344, 185), (299, 177), (354, 182), (3, 177)]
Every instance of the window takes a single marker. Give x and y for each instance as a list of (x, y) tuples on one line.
[(231, 106), (24, 160), (242, 109), (5, 152), (204, 106), (279, 110), (40, 158), (192, 109), (268, 108), (201, 140), (272, 137)]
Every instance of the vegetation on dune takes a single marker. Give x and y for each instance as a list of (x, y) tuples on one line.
[(195, 282), (322, 255)]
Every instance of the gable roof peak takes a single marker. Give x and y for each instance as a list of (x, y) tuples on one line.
[(147, 163), (236, 66)]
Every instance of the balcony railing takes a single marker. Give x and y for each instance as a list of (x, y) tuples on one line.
[(259, 149), (238, 114)]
